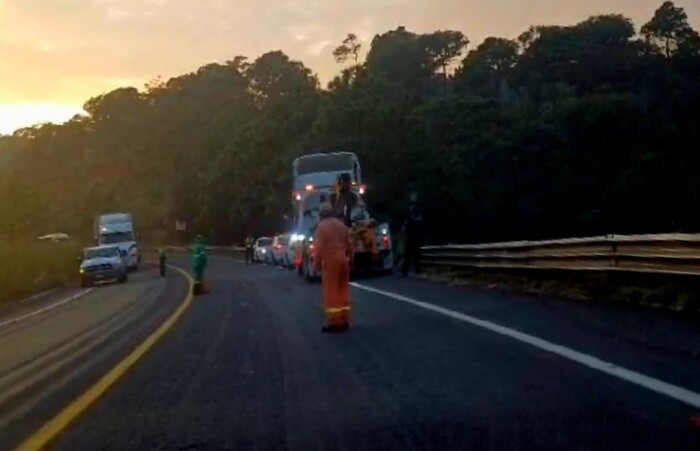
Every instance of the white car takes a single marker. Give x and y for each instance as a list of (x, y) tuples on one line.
[(261, 249), (278, 252), (294, 249)]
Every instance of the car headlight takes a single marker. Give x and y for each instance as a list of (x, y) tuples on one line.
[(82, 270), (263, 250)]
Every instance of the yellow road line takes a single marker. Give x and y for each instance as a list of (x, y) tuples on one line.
[(63, 419)]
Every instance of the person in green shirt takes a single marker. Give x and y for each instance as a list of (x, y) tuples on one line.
[(199, 260)]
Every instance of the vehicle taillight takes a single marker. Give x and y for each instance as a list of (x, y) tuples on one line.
[(385, 240), (278, 246)]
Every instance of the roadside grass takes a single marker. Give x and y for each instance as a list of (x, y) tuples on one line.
[(672, 293), (31, 267)]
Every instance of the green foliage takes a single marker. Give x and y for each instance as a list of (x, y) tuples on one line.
[(33, 267), (568, 130)]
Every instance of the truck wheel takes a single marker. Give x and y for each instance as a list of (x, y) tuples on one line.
[(85, 283)]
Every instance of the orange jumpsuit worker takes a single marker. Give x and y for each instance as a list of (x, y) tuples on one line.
[(333, 254)]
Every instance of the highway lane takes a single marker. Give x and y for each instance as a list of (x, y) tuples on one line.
[(53, 349), (248, 368)]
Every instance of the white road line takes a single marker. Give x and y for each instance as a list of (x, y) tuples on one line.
[(45, 309), (672, 391)]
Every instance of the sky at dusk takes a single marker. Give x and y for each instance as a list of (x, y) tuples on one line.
[(55, 54)]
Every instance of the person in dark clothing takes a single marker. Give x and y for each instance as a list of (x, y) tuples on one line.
[(414, 230), (161, 262), (344, 199), (249, 242)]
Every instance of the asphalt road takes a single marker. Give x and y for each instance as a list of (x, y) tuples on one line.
[(247, 368), (52, 349)]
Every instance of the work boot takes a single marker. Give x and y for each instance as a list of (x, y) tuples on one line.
[(331, 329), (335, 328)]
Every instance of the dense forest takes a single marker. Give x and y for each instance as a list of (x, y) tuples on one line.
[(565, 131)]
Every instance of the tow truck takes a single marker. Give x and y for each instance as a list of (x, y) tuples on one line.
[(315, 177)]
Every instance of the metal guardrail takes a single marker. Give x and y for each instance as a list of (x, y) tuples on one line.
[(661, 253)]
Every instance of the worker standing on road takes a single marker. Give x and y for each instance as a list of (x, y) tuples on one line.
[(249, 250), (161, 261), (413, 228), (199, 257), (333, 254)]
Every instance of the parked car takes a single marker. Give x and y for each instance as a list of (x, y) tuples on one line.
[(102, 264), (293, 256), (278, 253), (261, 249), (306, 264)]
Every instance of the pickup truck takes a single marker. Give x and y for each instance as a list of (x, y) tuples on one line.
[(102, 264)]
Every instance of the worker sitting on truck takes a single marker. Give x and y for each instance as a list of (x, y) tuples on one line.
[(333, 258), (199, 259), (344, 200)]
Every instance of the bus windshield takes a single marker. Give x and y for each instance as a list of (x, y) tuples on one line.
[(325, 163)]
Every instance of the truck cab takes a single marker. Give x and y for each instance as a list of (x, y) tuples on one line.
[(315, 177), (118, 229)]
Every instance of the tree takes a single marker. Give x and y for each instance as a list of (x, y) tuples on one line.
[(669, 30), (485, 69), (350, 48), (443, 47), (568, 130)]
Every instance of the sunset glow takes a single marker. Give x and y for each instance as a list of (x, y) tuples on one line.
[(54, 55), (15, 116)]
